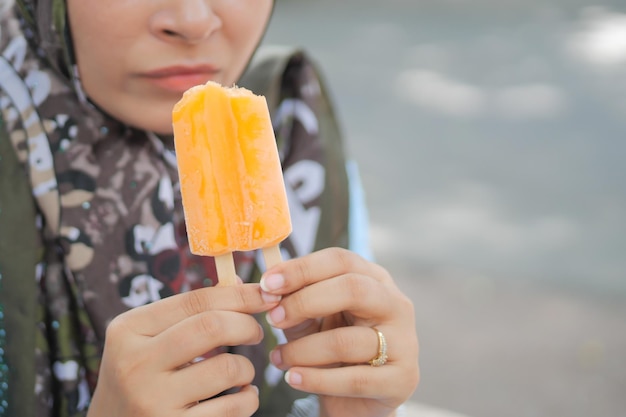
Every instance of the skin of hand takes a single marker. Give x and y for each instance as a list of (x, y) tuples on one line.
[(147, 367), (331, 299)]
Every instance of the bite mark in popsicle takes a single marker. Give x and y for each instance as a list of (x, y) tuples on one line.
[(230, 175)]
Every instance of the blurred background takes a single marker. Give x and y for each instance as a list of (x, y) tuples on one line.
[(491, 140)]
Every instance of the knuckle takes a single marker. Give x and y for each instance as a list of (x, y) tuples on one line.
[(345, 258), (301, 306), (231, 367), (408, 382), (384, 273), (359, 383), (414, 379), (117, 329), (343, 344), (357, 288), (117, 361), (121, 342), (193, 303), (403, 306), (303, 270), (404, 303), (209, 324), (232, 409), (412, 344), (243, 298)]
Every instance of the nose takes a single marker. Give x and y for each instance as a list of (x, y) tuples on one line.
[(189, 21)]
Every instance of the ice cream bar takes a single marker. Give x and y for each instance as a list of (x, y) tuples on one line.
[(230, 175)]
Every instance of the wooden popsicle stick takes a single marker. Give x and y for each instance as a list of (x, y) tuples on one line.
[(272, 256), (226, 274)]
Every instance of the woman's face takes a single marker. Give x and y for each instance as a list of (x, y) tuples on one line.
[(136, 57)]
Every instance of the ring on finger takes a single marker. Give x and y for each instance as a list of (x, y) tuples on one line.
[(381, 358)]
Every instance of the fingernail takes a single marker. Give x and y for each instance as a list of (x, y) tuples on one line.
[(272, 282), (276, 315), (276, 358), (270, 298), (254, 387), (261, 333), (293, 378)]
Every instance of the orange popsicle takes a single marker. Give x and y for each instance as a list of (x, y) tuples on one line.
[(230, 175)]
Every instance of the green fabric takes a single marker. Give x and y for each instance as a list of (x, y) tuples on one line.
[(335, 204), (18, 257)]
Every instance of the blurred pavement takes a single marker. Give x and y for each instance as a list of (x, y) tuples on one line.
[(490, 136)]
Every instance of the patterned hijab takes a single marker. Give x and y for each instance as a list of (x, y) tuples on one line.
[(111, 229), (47, 21)]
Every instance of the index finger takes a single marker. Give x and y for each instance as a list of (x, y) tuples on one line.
[(152, 319), (294, 274)]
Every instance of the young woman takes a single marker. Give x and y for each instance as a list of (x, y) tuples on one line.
[(104, 309)]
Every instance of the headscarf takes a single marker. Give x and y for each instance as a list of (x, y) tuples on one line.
[(46, 25), (112, 231)]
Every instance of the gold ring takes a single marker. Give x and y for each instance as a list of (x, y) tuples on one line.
[(381, 358)]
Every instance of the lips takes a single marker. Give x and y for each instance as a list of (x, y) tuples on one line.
[(179, 79)]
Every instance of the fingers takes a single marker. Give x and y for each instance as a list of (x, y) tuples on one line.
[(211, 377), (346, 345), (352, 345), (360, 295), (294, 274), (362, 381), (241, 404), (152, 319), (198, 334), (331, 299)]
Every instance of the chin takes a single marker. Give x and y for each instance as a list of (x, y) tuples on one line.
[(147, 123), (163, 130), (160, 129)]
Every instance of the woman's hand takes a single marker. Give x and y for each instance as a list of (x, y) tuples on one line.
[(146, 367), (332, 300)]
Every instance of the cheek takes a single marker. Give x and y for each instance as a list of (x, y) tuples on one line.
[(100, 34), (101, 67), (244, 28), (100, 73)]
